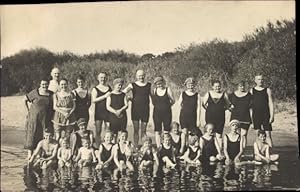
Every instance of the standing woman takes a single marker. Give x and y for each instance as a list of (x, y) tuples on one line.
[(99, 95), (83, 101), (215, 102), (39, 115), (189, 117), (141, 91), (64, 106), (241, 100), (162, 99), (54, 83)]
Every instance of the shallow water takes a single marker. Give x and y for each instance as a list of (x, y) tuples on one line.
[(15, 176)]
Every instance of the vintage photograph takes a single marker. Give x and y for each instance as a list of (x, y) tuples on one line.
[(149, 96)]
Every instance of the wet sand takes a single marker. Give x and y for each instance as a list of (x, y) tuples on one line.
[(12, 137)]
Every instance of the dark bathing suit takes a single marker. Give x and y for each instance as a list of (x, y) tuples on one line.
[(148, 156), (105, 155), (162, 113), (261, 112), (82, 107), (233, 147), (209, 149), (101, 112), (176, 145), (241, 109), (188, 113), (117, 124), (166, 153), (193, 154), (215, 113), (140, 102)]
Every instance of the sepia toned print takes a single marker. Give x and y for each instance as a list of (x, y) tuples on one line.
[(149, 96)]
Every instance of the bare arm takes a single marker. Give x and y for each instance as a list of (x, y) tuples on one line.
[(198, 110), (228, 102), (180, 100), (241, 148), (59, 154), (204, 101), (36, 151), (257, 152), (271, 105), (217, 146), (115, 154), (128, 88), (78, 155), (155, 158), (225, 147), (125, 104), (171, 96), (108, 107), (96, 99), (94, 156), (91, 138), (99, 154)]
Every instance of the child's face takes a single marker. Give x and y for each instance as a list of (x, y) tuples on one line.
[(80, 83), (140, 77), (82, 127), (147, 144), (65, 144), (123, 137), (118, 86), (47, 136), (262, 137), (85, 143), (167, 140), (108, 138), (209, 129), (259, 80), (217, 87), (159, 84), (234, 127)]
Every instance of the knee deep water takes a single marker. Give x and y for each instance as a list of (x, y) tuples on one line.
[(16, 176)]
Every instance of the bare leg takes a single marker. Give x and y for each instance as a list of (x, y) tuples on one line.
[(57, 130), (184, 140), (155, 169), (61, 163), (29, 152), (98, 125), (168, 162), (219, 140), (136, 126), (143, 129), (274, 157), (157, 138), (269, 138), (244, 133), (129, 166)]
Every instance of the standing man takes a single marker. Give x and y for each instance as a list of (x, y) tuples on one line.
[(54, 82), (141, 91), (263, 109)]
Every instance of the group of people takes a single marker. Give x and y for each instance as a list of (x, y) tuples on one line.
[(56, 109)]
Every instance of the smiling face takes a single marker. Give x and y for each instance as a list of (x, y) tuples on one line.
[(217, 87), (259, 80), (108, 138), (80, 83), (82, 127), (63, 84), (102, 78), (209, 129), (44, 85), (65, 144), (123, 137), (85, 143), (140, 75), (118, 87), (167, 140), (190, 86)]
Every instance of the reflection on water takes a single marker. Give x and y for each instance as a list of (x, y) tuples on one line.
[(206, 177)]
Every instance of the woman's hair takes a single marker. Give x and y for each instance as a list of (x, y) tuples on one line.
[(261, 132), (80, 77), (206, 125), (64, 79), (215, 81), (174, 123)]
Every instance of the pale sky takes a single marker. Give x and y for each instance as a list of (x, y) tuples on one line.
[(135, 27)]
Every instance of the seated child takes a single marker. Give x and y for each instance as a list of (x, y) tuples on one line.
[(83, 132), (177, 139), (167, 155), (104, 154), (86, 155), (64, 154), (210, 149), (233, 143), (122, 152), (45, 151), (193, 152), (262, 149), (149, 154)]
